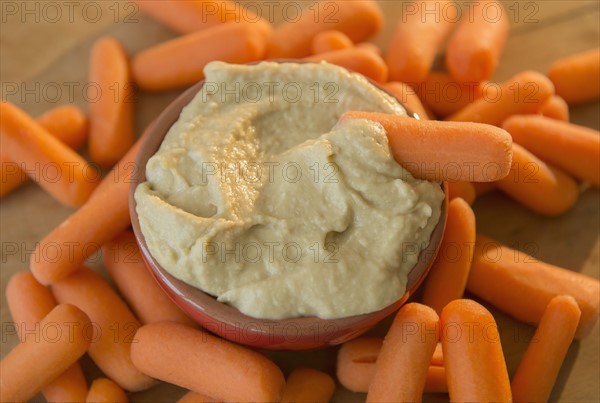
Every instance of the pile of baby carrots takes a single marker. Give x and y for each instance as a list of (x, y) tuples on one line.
[(441, 344)]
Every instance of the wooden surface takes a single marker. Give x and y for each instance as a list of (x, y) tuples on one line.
[(52, 55)]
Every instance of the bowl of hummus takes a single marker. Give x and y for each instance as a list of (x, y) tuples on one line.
[(270, 223)]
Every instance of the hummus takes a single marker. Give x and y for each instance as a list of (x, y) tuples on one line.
[(258, 197)]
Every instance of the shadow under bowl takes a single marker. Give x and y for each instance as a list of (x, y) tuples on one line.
[(301, 333)]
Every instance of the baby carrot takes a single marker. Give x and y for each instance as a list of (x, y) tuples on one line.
[(577, 77), (408, 97), (114, 326), (464, 190), (573, 148), (111, 112), (307, 385), (206, 364), (555, 108), (82, 233), (103, 390), (67, 123), (193, 397), (328, 41), (29, 302), (53, 165), (70, 386), (125, 264), (357, 19), (356, 366), (187, 16), (522, 286), (539, 367), (405, 355), (180, 62), (537, 186), (475, 47), (58, 342), (359, 60), (415, 43), (523, 93), (449, 273), (445, 150), (356, 362), (475, 367), (445, 96)]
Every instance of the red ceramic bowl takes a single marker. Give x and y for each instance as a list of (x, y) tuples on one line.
[(222, 319)]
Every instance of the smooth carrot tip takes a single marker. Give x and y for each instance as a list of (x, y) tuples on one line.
[(464, 304), (16, 278)]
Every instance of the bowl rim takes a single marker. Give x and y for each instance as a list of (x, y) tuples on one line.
[(267, 333)]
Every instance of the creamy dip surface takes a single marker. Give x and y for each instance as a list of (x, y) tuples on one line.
[(258, 197)]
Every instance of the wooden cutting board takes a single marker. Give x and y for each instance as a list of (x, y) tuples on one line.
[(44, 62)]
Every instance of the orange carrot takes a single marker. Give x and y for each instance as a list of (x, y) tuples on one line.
[(180, 62), (577, 77), (555, 108), (103, 390), (445, 150), (327, 41), (475, 47), (444, 96), (111, 112), (356, 362), (359, 60), (522, 286), (114, 326), (58, 342), (464, 190), (408, 97), (541, 363), (356, 365), (125, 264), (475, 367), (539, 187), (67, 123), (437, 360), (406, 354), (53, 165), (371, 47), (83, 233), (523, 93), (357, 19), (415, 42), (29, 302), (306, 385), (187, 16), (573, 148), (70, 386), (449, 273), (206, 364), (193, 397)]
